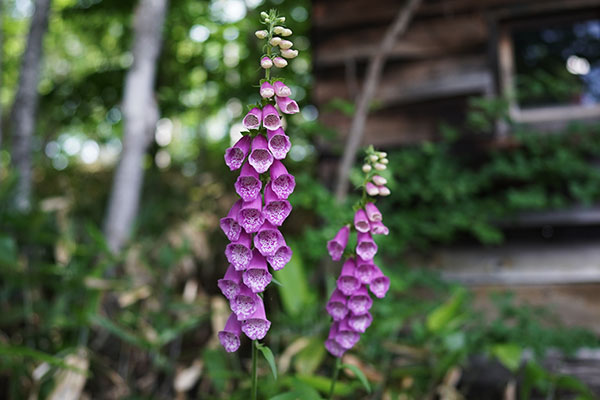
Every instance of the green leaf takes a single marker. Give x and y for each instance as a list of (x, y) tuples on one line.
[(359, 374), (26, 352), (268, 355), (308, 359), (293, 288), (323, 384), (509, 354), (442, 315)]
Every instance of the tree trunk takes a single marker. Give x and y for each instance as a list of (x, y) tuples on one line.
[(1, 53), (372, 77), (25, 105), (140, 113)]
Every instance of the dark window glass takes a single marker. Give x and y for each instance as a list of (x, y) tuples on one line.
[(558, 64)]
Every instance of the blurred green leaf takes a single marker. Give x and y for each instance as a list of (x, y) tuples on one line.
[(268, 355), (440, 317), (309, 358), (293, 288), (360, 375)]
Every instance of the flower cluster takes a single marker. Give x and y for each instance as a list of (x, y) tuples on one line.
[(350, 302), (264, 186)]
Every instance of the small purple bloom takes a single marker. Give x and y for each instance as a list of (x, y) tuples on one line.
[(279, 143), (345, 336), (256, 325), (245, 303), (361, 222), (230, 336), (380, 284), (366, 247), (336, 306), (282, 256), (336, 246), (347, 282), (271, 118), (360, 302), (248, 184), (360, 323), (239, 253), (282, 183), (229, 224), (378, 228), (365, 270), (257, 275), (275, 210), (260, 157), (373, 213), (252, 119), (266, 90), (281, 89), (268, 239), (331, 344), (250, 216), (230, 284), (235, 155), (287, 105)]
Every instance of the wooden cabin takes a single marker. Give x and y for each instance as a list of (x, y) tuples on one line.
[(452, 50)]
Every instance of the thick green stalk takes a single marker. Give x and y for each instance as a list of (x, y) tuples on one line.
[(254, 376), (336, 373)]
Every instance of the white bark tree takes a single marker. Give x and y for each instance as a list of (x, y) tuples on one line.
[(140, 113), (25, 105)]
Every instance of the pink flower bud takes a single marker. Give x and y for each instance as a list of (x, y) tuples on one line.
[(275, 40), (289, 53), (384, 191), (261, 34), (379, 180), (278, 30), (266, 63), (286, 32), (279, 62), (266, 90), (372, 190), (285, 44)]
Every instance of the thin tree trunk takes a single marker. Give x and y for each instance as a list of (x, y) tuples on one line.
[(363, 100), (1, 53), (140, 113), (25, 106)]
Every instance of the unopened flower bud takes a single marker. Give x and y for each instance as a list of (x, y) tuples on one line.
[(261, 34), (266, 63), (267, 91), (379, 180), (371, 189), (384, 191), (278, 30), (286, 32), (384, 161), (264, 15), (366, 168), (373, 158), (279, 62), (382, 154), (275, 40), (267, 20), (380, 167), (285, 44), (289, 53), (281, 19)]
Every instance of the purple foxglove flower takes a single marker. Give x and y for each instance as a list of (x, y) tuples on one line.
[(235, 155), (336, 306), (282, 183), (229, 224), (360, 323), (371, 189), (256, 325), (345, 336), (275, 210), (361, 222), (248, 184), (279, 62), (373, 213), (347, 282), (378, 228), (282, 256), (266, 62), (266, 90), (271, 118), (366, 247), (365, 270), (260, 157), (230, 284), (250, 216), (239, 253), (360, 302), (268, 239), (379, 284), (245, 303), (257, 275), (282, 90), (287, 105), (336, 246), (379, 180), (279, 143), (252, 119), (230, 336), (331, 344)]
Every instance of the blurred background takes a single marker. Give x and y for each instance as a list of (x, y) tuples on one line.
[(114, 119)]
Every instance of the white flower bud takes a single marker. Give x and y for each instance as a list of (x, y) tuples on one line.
[(286, 32), (382, 154), (289, 53), (285, 44), (384, 191), (366, 168), (278, 30), (264, 15), (279, 62), (373, 158), (281, 19), (379, 180), (384, 161), (275, 40), (261, 34), (266, 63), (380, 167)]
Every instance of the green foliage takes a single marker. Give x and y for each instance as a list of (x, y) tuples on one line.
[(268, 355), (359, 374)]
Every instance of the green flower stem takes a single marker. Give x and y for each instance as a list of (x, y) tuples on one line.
[(336, 373), (254, 376)]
